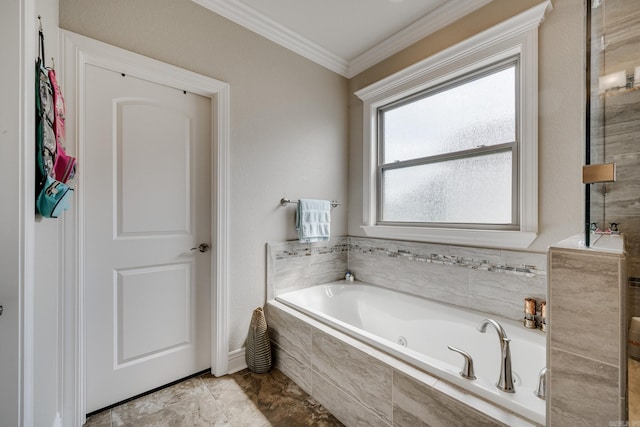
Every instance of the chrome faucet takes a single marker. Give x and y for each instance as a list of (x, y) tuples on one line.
[(505, 382)]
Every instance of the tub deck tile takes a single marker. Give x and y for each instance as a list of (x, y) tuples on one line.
[(416, 404), (583, 391), (585, 284), (354, 372), (343, 406), (290, 333), (298, 371)]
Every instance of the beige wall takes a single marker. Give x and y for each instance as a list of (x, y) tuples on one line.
[(289, 135), (561, 110), (561, 123), (288, 122)]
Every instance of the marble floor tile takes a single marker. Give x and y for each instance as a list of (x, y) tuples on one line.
[(128, 413), (240, 399), (240, 407), (634, 391), (252, 399), (201, 411), (103, 419)]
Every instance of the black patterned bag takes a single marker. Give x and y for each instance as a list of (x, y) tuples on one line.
[(52, 196), (46, 147)]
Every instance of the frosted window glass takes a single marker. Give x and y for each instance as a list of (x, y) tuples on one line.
[(469, 190), (472, 114)]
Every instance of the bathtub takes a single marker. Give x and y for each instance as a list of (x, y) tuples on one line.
[(417, 331)]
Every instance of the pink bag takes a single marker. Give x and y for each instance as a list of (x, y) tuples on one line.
[(64, 166)]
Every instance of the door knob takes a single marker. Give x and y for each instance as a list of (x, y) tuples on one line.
[(202, 247)]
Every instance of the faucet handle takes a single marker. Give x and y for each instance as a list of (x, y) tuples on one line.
[(467, 369), (541, 390)]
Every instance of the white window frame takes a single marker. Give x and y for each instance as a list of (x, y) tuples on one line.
[(517, 36)]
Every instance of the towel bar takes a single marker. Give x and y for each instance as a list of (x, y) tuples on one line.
[(284, 202)]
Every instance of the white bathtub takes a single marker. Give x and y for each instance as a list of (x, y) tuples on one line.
[(382, 318)]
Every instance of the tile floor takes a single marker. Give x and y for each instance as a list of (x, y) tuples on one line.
[(634, 391), (240, 399)]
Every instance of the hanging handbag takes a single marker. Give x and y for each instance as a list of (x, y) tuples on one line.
[(64, 165), (46, 146), (52, 196)]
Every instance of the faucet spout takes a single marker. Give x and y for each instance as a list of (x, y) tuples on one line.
[(482, 327), (505, 381)]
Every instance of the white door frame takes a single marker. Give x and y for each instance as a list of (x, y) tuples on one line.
[(25, 180), (79, 51)]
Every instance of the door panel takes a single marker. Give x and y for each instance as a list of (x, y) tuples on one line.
[(170, 314), (141, 123), (147, 192)]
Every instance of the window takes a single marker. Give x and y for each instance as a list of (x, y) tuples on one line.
[(447, 155), (450, 144)]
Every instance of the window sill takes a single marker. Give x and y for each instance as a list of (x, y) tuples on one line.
[(482, 238)]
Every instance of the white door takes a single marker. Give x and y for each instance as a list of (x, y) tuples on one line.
[(147, 202)]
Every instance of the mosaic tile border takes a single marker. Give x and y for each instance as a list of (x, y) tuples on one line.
[(295, 249), (451, 260), (298, 252)]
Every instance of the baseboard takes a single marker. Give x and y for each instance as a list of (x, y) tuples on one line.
[(237, 360), (57, 422)]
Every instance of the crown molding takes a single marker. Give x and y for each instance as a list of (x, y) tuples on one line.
[(514, 26), (251, 19), (428, 24)]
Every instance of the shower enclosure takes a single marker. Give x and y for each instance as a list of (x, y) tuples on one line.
[(613, 121), (612, 171)]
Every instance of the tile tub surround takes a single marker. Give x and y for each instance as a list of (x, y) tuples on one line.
[(587, 338), (490, 280), (361, 385), (293, 265)]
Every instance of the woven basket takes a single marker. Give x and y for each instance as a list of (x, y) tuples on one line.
[(258, 346)]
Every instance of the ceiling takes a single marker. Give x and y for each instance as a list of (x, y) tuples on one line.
[(345, 36)]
